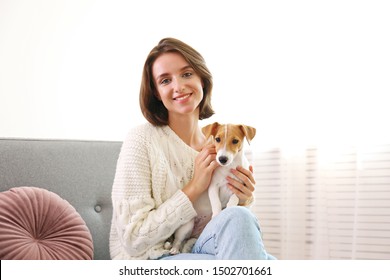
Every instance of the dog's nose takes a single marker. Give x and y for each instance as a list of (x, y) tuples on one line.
[(223, 159)]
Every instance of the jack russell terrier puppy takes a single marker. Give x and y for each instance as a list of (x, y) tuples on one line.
[(228, 140)]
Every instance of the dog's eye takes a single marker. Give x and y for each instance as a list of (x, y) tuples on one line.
[(218, 139), (235, 141)]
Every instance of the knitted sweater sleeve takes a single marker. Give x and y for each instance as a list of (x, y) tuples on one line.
[(140, 225)]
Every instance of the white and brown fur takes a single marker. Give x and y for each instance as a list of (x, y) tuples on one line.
[(229, 140)]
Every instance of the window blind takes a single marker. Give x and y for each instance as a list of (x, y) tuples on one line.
[(324, 203)]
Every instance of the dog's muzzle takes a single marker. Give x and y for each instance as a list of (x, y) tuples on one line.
[(223, 160)]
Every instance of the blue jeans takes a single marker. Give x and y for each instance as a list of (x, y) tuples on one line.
[(233, 234)]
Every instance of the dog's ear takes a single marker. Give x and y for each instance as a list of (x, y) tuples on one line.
[(210, 130), (248, 131)]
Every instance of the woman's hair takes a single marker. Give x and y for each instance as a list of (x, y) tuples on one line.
[(153, 108)]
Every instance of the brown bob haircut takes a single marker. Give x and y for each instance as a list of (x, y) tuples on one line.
[(152, 108)]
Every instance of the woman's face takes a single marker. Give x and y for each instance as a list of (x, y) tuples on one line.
[(178, 86)]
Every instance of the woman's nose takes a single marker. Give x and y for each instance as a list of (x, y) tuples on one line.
[(178, 86)]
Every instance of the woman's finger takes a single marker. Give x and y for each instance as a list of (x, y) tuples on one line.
[(247, 172), (244, 180)]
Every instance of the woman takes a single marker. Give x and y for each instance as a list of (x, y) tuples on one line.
[(165, 165)]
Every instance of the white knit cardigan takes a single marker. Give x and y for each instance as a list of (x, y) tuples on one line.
[(148, 205)]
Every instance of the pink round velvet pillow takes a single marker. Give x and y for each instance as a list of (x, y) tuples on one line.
[(36, 224)]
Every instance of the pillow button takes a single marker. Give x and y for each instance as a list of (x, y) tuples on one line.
[(98, 208)]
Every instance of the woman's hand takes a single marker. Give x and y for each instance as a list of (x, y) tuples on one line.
[(205, 164), (243, 187)]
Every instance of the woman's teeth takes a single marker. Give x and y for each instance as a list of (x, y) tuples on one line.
[(182, 97)]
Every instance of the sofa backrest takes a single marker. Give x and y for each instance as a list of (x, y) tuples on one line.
[(82, 172)]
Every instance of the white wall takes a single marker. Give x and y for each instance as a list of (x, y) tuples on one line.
[(298, 71)]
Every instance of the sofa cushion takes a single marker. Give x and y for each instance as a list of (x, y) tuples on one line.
[(38, 224)]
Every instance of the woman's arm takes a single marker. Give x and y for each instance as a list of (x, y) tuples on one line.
[(140, 224), (205, 164)]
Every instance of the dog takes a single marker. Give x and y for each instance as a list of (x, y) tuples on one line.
[(229, 140)]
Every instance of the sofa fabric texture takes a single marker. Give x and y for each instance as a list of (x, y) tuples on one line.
[(37, 224), (81, 172)]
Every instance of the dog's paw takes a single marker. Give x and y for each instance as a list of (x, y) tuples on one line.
[(168, 245), (231, 204), (215, 213), (174, 251), (233, 201), (187, 248)]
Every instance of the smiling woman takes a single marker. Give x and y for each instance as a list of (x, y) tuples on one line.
[(179, 87), (186, 82), (169, 164)]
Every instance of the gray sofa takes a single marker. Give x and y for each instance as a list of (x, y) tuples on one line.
[(82, 172)]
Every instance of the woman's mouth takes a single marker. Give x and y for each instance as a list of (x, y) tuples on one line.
[(182, 97)]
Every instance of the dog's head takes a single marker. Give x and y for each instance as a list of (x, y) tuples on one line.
[(228, 139)]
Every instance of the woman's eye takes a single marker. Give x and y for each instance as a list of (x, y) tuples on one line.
[(235, 141), (187, 74), (218, 139), (164, 81)]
